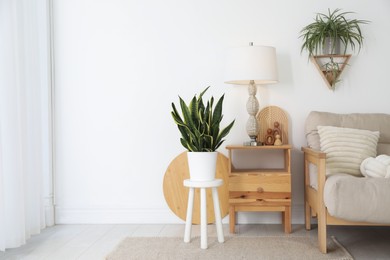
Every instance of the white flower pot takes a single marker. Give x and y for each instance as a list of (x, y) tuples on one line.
[(202, 165)]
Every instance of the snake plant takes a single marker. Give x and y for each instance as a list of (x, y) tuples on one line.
[(199, 125)]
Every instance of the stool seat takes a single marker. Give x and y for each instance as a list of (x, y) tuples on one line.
[(202, 185)]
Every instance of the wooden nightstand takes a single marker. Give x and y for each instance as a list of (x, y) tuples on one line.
[(260, 189)]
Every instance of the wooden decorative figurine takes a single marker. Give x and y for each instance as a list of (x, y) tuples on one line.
[(277, 131), (278, 141), (269, 138)]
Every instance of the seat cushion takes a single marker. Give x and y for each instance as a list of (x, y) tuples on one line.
[(346, 148), (358, 198)]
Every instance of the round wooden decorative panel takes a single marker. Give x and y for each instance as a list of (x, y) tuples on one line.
[(176, 195)]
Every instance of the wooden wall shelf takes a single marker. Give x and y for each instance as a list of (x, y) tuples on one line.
[(324, 65)]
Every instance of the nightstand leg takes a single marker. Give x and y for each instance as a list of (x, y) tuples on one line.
[(232, 219), (287, 220)]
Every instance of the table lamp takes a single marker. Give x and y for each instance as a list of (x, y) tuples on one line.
[(251, 66)]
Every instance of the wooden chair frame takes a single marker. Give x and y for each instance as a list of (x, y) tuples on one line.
[(314, 199)]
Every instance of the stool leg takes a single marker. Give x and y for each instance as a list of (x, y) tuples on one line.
[(203, 219), (218, 220), (187, 232)]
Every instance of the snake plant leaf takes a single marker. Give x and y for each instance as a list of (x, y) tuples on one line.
[(184, 143), (206, 117), (201, 107), (199, 126), (198, 141), (176, 115), (186, 114), (210, 114), (209, 141), (200, 97), (177, 119), (217, 117), (223, 133), (183, 131), (194, 108), (188, 145)]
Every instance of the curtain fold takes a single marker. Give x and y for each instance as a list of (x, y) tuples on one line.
[(25, 145)]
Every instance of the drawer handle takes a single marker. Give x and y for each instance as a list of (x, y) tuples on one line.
[(260, 189)]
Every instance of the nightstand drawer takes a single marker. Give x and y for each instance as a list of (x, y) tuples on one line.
[(260, 182)]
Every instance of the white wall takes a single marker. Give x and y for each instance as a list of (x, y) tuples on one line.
[(120, 64)]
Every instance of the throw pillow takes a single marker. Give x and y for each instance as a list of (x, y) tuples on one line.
[(376, 167), (346, 148)]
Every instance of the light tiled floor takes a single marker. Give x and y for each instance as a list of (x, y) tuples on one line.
[(96, 241)]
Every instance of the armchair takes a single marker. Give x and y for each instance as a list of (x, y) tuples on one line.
[(340, 197)]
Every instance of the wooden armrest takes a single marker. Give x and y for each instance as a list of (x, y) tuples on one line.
[(316, 153), (314, 198), (317, 158), (314, 156)]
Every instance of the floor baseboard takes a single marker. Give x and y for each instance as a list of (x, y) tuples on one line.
[(159, 216)]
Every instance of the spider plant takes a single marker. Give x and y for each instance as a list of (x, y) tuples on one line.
[(332, 71), (334, 26)]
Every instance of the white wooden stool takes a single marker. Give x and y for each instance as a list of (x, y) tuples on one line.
[(203, 185)]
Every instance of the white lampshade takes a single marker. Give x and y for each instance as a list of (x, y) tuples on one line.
[(257, 63)]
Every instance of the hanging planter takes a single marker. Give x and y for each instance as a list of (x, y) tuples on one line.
[(331, 46), (325, 34), (328, 37)]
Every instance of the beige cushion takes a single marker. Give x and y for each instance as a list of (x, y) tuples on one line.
[(346, 148), (358, 198), (368, 121)]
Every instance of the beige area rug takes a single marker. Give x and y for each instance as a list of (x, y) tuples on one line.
[(235, 247)]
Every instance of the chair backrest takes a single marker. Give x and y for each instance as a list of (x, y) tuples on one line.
[(369, 121)]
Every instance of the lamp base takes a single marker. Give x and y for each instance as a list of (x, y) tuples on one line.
[(252, 106), (253, 142), (250, 143)]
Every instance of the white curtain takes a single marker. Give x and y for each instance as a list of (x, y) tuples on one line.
[(25, 147)]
